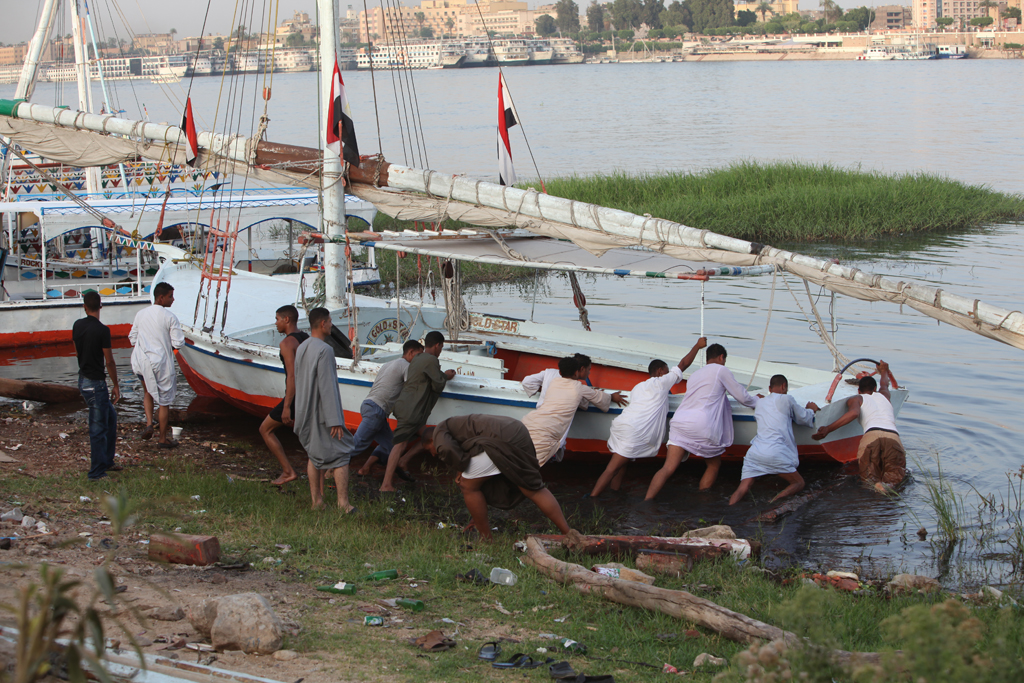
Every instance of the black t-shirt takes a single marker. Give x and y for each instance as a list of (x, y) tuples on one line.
[(91, 337)]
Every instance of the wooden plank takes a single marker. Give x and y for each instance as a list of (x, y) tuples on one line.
[(628, 546), (41, 392)]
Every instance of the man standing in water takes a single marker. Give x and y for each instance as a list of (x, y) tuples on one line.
[(423, 386), (92, 344), (155, 334), (284, 412), (496, 464), (773, 450), (702, 425), (319, 418), (880, 455)]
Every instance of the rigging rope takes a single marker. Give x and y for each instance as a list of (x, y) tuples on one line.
[(771, 307), (457, 319), (580, 300), (838, 358)]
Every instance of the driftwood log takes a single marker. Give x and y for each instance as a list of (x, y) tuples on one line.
[(41, 392), (628, 546), (678, 604)]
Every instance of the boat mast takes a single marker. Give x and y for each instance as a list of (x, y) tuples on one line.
[(84, 87), (30, 71), (333, 204)]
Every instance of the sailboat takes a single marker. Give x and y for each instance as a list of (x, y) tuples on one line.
[(231, 351)]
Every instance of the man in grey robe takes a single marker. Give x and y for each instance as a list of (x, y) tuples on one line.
[(319, 418)]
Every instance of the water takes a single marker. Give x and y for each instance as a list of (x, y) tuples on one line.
[(949, 117)]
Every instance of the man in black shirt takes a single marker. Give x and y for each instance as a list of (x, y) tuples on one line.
[(92, 342)]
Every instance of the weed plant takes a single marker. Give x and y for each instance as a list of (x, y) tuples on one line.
[(791, 201)]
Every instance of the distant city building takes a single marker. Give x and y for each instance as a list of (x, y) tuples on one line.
[(780, 8), (13, 54), (925, 12), (891, 18), (962, 11), (445, 17)]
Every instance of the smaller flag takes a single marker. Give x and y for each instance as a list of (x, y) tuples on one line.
[(507, 117), (341, 133), (188, 125)]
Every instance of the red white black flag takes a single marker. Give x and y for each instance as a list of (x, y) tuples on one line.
[(507, 117), (188, 126), (341, 134)]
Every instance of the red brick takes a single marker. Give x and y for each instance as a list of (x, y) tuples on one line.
[(184, 549)]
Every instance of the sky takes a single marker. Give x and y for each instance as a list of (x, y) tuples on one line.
[(160, 16)]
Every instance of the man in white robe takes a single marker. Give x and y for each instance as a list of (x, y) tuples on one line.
[(702, 425), (155, 334), (540, 381), (773, 450), (640, 430), (319, 417), (549, 424)]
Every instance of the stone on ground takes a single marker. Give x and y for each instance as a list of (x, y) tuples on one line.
[(243, 622)]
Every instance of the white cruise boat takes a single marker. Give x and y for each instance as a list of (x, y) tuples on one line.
[(478, 53), (540, 51), (511, 51), (453, 55), (121, 68), (565, 51), (876, 53), (412, 56)]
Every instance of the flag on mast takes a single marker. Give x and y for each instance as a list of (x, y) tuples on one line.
[(341, 133), (188, 126), (507, 117)]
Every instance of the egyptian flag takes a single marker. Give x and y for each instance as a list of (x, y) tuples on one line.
[(188, 125), (341, 134), (507, 117)]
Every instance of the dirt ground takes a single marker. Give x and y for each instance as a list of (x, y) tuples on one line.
[(79, 538)]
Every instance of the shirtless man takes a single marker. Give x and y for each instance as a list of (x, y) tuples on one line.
[(283, 413)]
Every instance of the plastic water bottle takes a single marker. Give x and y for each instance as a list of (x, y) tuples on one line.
[(503, 577)]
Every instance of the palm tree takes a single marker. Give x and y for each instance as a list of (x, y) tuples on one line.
[(449, 24), (831, 10), (988, 5), (764, 8), (420, 19)]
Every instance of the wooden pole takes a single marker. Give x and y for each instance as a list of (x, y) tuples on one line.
[(38, 391)]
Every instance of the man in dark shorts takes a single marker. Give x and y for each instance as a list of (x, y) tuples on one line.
[(423, 385), (92, 343), (284, 412)]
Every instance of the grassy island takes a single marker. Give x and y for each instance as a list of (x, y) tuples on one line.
[(793, 201)]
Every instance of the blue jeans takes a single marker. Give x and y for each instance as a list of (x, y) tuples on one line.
[(102, 424), (373, 427)]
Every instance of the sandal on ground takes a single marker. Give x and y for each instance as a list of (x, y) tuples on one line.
[(434, 641), (489, 651), (167, 444), (521, 661), (562, 670), (402, 474), (147, 433)]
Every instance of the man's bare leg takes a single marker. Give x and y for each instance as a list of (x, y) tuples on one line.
[(548, 504), (389, 475), (675, 455), (367, 466), (411, 453), (267, 428), (476, 504), (615, 465), (617, 479), (742, 490), (710, 472), (316, 485), (796, 483), (341, 481), (147, 407), (163, 414)]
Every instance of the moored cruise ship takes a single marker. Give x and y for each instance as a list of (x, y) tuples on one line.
[(412, 56), (478, 53), (565, 51), (540, 51), (511, 51), (121, 68)]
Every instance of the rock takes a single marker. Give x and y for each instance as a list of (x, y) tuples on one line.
[(14, 515), (704, 658), (142, 641), (719, 531), (843, 575), (244, 622), (913, 582), (621, 571), (166, 613), (28, 522), (996, 594), (286, 655)]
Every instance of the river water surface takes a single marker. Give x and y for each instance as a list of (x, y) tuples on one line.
[(958, 118)]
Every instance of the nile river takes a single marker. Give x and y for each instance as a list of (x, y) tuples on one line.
[(958, 118)]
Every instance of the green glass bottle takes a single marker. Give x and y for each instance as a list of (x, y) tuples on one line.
[(383, 574), (414, 605), (340, 587)]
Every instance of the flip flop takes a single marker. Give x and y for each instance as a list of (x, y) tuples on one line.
[(513, 663), (402, 474), (489, 651), (167, 444), (562, 670), (147, 434)]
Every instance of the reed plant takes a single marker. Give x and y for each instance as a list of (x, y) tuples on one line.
[(947, 506), (789, 201)]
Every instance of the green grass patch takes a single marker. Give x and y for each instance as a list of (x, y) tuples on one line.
[(251, 518), (792, 201)]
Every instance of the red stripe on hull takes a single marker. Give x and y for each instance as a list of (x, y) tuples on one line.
[(13, 339)]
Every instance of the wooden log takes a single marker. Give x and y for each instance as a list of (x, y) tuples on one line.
[(664, 563), (678, 604), (184, 549), (628, 546), (41, 392)]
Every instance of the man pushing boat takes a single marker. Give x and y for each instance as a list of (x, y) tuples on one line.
[(880, 455)]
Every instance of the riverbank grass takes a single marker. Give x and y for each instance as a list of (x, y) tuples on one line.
[(789, 201), (419, 534)]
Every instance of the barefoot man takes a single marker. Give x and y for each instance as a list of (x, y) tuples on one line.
[(284, 412), (423, 386), (374, 427), (702, 425), (773, 450), (540, 381), (155, 334), (319, 418), (640, 429), (882, 459), (496, 465)]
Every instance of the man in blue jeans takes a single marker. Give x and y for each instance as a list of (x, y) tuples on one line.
[(92, 343), (377, 406)]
